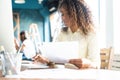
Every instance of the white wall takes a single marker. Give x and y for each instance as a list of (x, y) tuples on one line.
[(106, 23), (109, 23), (6, 25), (116, 14), (112, 29), (102, 29)]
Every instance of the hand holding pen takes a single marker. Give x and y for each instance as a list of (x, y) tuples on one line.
[(40, 58)]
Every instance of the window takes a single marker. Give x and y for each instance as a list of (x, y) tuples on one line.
[(55, 23)]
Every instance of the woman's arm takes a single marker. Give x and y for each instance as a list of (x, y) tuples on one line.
[(82, 63), (92, 59)]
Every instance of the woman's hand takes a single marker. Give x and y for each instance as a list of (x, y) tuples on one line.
[(81, 63), (40, 58)]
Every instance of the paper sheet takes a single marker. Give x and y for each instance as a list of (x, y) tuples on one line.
[(60, 52)]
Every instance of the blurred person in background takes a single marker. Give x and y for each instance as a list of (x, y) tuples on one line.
[(27, 46)]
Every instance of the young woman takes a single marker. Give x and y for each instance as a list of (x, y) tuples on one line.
[(78, 27)]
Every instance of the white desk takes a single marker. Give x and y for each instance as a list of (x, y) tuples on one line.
[(69, 74), (64, 73)]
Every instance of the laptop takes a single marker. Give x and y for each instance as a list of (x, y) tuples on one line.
[(60, 52)]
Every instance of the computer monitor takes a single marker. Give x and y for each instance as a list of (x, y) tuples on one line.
[(6, 26)]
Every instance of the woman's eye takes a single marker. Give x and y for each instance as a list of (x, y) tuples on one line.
[(62, 14)]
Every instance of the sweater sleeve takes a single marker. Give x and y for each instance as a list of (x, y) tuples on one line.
[(94, 50)]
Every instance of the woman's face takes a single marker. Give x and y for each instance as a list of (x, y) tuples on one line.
[(65, 17)]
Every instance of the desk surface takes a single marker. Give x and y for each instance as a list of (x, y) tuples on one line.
[(63, 74)]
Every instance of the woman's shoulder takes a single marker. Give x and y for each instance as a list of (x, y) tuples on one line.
[(92, 35)]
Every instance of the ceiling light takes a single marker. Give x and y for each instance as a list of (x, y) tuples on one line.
[(20, 1), (40, 1)]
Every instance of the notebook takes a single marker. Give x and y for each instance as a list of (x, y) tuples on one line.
[(60, 52), (31, 65)]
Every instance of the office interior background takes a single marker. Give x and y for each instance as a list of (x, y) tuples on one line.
[(44, 14)]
